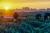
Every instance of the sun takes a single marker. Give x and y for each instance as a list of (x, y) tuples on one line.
[(6, 6)]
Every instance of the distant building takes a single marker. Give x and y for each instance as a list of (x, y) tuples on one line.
[(42, 10), (48, 9), (33, 9), (26, 8)]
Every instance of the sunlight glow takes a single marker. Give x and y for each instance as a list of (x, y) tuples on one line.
[(6, 6)]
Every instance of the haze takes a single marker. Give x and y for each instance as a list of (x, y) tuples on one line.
[(12, 4)]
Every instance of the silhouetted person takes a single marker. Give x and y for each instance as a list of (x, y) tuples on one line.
[(15, 16)]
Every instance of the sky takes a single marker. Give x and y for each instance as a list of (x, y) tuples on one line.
[(12, 4)]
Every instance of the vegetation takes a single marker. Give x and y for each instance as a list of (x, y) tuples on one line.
[(28, 25)]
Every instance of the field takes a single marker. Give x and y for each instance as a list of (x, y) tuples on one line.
[(28, 24)]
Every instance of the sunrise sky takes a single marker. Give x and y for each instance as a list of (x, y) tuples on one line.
[(12, 4)]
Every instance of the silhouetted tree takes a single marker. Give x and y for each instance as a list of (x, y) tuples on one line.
[(1, 15), (38, 16), (46, 16), (15, 16)]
